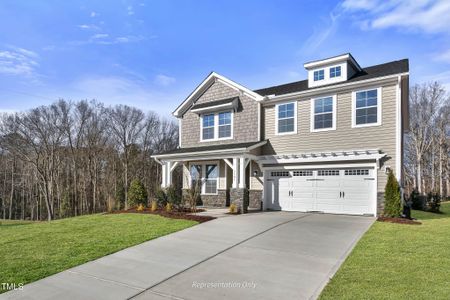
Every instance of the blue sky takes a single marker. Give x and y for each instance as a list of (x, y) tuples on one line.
[(152, 54)]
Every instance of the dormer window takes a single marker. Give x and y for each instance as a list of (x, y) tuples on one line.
[(319, 75), (335, 72)]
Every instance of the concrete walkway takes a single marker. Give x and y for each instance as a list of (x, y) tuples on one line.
[(273, 255)]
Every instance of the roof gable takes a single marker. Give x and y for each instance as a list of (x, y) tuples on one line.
[(209, 80)]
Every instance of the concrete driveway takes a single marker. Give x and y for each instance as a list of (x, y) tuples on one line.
[(270, 255)]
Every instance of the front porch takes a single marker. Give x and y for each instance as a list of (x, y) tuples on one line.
[(226, 174)]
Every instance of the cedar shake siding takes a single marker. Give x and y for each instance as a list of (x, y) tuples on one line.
[(245, 119)]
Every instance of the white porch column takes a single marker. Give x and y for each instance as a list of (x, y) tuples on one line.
[(242, 172), (235, 172), (169, 174), (163, 175)]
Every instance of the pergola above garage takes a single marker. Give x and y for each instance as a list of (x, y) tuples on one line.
[(236, 156)]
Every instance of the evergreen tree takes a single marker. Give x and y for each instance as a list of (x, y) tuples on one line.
[(137, 194), (392, 199)]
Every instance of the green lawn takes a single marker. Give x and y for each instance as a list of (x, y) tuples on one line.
[(33, 250), (394, 261)]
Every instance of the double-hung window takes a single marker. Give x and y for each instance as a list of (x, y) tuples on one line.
[(204, 177), (367, 107), (319, 75), (211, 176), (335, 71), (196, 176), (225, 124), (208, 127), (323, 115), (286, 118), (216, 126)]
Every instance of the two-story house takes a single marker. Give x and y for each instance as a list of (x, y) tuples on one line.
[(322, 144)]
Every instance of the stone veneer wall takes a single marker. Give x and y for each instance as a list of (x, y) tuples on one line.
[(218, 200), (255, 199), (380, 203), (240, 198)]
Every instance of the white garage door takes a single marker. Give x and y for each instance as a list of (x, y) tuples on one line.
[(341, 191)]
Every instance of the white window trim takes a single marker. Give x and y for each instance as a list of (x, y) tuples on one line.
[(314, 72), (335, 67), (203, 177), (334, 112), (379, 108), (295, 118), (216, 127)]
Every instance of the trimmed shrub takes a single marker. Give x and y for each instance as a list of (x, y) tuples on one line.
[(433, 202), (161, 197), (173, 196), (392, 198), (416, 200), (137, 193)]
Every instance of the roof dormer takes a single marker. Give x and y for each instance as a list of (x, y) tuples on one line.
[(331, 70)]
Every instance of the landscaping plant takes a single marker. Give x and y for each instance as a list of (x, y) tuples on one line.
[(161, 197), (137, 194), (233, 208), (169, 207), (392, 199), (154, 205), (433, 202), (174, 196)]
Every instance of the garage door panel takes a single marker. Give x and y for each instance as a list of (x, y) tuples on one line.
[(347, 191)]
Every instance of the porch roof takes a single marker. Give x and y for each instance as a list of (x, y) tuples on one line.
[(195, 152)]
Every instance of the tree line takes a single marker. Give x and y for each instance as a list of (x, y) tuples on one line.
[(74, 158), (427, 145)]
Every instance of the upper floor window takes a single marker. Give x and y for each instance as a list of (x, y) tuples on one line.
[(225, 124), (323, 114), (286, 118), (335, 72), (217, 126), (208, 127), (319, 75), (367, 107)]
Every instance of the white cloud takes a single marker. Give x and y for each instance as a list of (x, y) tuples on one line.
[(18, 61), (130, 10), (106, 39), (321, 33), (93, 14), (89, 27), (164, 80), (443, 78), (430, 16)]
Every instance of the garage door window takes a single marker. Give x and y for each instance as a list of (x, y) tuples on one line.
[(328, 173), (280, 174), (356, 172), (303, 173)]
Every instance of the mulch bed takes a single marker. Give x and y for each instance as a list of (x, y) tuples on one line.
[(398, 220), (185, 214)]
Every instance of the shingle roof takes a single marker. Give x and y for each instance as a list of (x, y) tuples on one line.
[(214, 103), (390, 68), (210, 148)]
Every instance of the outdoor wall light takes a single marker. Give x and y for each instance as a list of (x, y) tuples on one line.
[(255, 173)]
